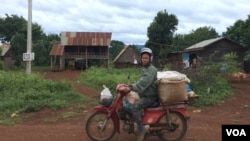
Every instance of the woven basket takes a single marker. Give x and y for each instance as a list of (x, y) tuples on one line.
[(171, 91)]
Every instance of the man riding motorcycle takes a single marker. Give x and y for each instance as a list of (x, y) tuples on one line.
[(146, 88)]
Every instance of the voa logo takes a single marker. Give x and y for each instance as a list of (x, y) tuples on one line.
[(236, 132)]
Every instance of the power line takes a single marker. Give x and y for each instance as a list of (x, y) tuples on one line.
[(59, 7), (63, 9), (167, 45)]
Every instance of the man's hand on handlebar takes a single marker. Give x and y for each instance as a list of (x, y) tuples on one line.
[(126, 89), (123, 88)]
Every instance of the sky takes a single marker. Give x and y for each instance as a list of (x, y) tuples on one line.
[(128, 20)]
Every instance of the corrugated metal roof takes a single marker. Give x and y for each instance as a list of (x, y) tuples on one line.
[(57, 49), (86, 38), (202, 44), (5, 48)]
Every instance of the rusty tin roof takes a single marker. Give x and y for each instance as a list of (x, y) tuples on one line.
[(57, 49), (86, 38)]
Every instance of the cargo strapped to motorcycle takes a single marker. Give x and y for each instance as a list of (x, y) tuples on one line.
[(171, 91)]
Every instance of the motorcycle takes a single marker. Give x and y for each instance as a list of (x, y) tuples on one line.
[(168, 122)]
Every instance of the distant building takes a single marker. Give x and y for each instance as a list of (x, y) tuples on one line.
[(83, 46), (202, 51), (8, 63), (127, 58)]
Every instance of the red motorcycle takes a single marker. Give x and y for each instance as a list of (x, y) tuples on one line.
[(168, 122)]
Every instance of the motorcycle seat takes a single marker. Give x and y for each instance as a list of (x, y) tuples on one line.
[(155, 104)]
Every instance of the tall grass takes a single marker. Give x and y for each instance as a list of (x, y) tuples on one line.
[(20, 93), (210, 80), (206, 82), (98, 76), (211, 91)]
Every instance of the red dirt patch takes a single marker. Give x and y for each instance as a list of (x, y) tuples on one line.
[(203, 126)]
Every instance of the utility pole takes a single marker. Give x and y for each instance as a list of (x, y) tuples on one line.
[(29, 36)]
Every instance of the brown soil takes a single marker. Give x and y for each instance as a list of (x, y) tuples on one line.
[(204, 125)]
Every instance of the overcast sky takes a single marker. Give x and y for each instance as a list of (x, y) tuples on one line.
[(128, 20)]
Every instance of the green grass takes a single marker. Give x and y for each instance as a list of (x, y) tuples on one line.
[(69, 115), (201, 82), (40, 68), (96, 77), (22, 93)]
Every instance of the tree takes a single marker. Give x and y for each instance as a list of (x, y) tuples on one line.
[(235, 32), (246, 33), (19, 44), (50, 39), (41, 53), (1, 62), (42, 48), (179, 42), (18, 47), (115, 48), (14, 29), (10, 25), (160, 33), (182, 41), (201, 34), (240, 33)]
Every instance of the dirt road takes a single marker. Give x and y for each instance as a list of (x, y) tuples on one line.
[(203, 126)]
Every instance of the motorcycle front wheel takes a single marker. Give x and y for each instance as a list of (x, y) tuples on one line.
[(99, 127), (175, 127)]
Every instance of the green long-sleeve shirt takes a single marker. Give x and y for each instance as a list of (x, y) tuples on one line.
[(146, 85)]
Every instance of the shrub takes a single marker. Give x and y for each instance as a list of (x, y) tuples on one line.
[(98, 76), (210, 80)]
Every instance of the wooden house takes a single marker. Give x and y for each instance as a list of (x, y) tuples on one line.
[(203, 50), (127, 58), (8, 63), (80, 46), (57, 57)]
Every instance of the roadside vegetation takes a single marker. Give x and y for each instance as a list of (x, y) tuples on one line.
[(210, 82), (22, 93), (96, 77), (211, 87)]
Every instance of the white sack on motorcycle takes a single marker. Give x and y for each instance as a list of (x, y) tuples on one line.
[(172, 76), (106, 98)]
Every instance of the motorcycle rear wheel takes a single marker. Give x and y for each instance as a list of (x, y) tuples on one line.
[(175, 128), (96, 128)]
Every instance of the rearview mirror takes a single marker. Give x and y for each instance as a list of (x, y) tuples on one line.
[(128, 78)]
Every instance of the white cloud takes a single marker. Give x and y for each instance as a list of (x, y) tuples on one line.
[(127, 20)]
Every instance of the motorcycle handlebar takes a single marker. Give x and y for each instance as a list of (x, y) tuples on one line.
[(123, 88)]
